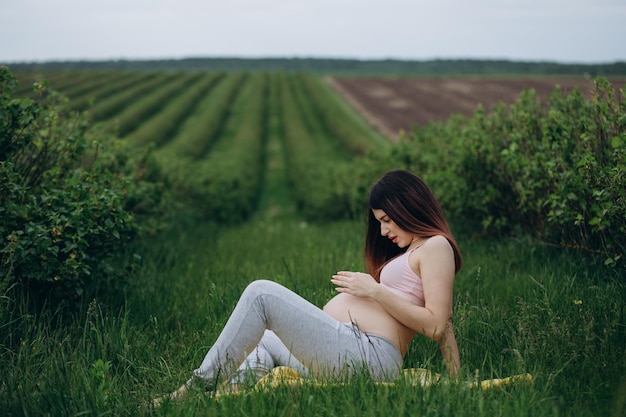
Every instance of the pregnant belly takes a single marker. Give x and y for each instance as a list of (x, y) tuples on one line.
[(370, 317)]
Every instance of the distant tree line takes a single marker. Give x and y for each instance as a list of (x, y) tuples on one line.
[(336, 66)]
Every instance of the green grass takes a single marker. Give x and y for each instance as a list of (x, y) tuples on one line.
[(519, 308)]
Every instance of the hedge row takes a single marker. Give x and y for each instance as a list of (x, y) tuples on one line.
[(554, 170), (202, 127), (69, 198), (311, 156), (61, 80), (105, 108), (163, 125), (82, 85), (103, 92), (337, 120), (150, 103), (226, 184)]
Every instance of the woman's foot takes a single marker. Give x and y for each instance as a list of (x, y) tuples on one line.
[(177, 395)]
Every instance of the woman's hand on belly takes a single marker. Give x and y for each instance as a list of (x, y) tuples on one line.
[(358, 284)]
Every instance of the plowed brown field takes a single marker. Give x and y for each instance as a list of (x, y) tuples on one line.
[(392, 105)]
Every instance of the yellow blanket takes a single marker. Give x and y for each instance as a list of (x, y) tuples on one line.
[(282, 375)]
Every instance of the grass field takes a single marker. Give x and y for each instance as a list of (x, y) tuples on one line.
[(520, 307)]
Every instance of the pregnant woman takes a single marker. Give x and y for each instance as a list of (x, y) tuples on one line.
[(411, 259)]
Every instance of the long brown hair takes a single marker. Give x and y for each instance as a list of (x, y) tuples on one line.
[(408, 201)]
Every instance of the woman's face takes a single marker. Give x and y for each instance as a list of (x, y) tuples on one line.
[(391, 230)]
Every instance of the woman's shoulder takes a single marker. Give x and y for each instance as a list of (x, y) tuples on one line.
[(437, 242), (435, 247), (435, 252)]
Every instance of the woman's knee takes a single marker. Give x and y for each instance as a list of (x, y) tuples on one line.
[(262, 287)]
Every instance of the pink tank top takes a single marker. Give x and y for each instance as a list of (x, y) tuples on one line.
[(398, 277)]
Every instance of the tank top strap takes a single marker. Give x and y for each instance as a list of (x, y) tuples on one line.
[(417, 247)]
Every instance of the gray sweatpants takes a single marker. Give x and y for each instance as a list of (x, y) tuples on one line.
[(272, 326)]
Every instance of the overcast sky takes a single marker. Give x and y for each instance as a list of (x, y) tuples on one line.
[(571, 31)]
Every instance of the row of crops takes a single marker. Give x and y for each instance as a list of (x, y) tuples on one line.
[(552, 169), (208, 132)]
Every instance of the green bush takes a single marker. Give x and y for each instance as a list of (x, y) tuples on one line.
[(70, 199), (554, 170)]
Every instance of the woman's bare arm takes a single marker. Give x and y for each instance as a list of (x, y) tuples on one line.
[(434, 263)]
